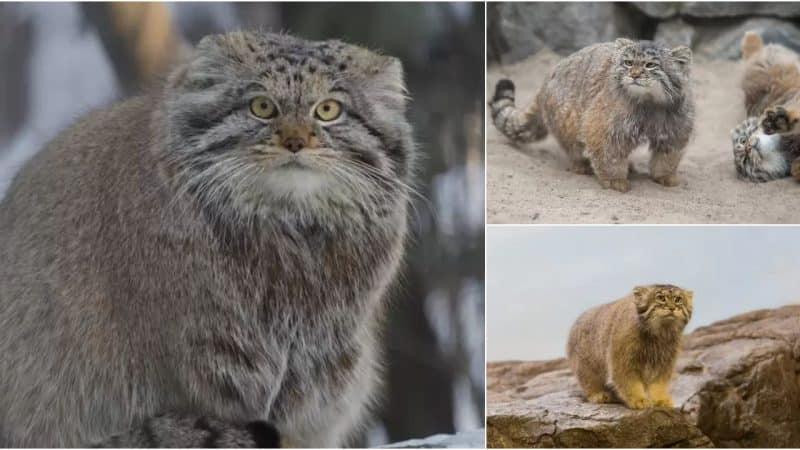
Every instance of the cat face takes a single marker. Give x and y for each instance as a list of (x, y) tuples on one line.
[(756, 155), (663, 305), (649, 72), (270, 123)]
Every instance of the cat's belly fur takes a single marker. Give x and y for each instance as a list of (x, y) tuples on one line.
[(306, 328), (314, 385), (321, 335)]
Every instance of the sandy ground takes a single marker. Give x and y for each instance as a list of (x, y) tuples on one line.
[(532, 185)]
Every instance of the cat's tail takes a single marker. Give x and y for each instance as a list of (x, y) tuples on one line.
[(751, 44), (186, 431), (521, 126)]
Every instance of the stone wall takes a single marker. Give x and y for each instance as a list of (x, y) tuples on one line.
[(713, 30)]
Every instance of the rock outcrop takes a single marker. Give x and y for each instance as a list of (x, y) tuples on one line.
[(665, 10), (737, 385), (713, 29), (516, 30)]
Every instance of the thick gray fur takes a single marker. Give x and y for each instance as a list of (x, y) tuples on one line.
[(159, 268)]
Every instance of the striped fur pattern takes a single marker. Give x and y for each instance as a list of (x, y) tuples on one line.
[(520, 126), (601, 102), (626, 350), (758, 156), (766, 145), (176, 273)]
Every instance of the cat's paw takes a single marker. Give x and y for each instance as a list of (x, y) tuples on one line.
[(663, 403), (264, 434), (622, 185), (779, 120), (581, 167), (796, 169), (600, 397), (671, 180), (639, 403)]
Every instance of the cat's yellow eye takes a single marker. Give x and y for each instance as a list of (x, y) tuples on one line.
[(328, 110), (263, 108), (678, 300), (628, 63), (650, 65)]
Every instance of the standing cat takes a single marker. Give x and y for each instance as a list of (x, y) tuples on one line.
[(627, 349), (196, 263), (602, 102), (766, 146)]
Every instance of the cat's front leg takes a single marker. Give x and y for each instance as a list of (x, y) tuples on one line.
[(796, 169), (664, 165), (666, 155), (659, 393), (608, 156), (780, 120), (631, 391), (611, 171), (628, 384)]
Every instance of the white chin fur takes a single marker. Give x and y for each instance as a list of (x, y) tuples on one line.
[(769, 142), (652, 92), (771, 159), (294, 182)]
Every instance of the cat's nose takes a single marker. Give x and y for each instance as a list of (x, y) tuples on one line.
[(294, 143)]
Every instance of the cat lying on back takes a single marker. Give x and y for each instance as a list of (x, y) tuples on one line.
[(766, 146), (602, 102), (627, 349)]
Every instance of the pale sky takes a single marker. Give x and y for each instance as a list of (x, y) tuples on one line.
[(539, 279)]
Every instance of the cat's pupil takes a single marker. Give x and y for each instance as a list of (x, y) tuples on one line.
[(326, 108)]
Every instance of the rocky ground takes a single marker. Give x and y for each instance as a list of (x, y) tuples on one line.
[(531, 184), (464, 439), (737, 385)]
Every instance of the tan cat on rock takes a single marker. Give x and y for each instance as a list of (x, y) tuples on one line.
[(627, 349)]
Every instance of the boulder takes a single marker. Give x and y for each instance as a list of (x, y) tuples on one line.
[(675, 32), (659, 10), (665, 10), (737, 385), (516, 30), (724, 41), (740, 9)]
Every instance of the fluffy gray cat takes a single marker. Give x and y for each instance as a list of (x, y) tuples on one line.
[(205, 265), (602, 102)]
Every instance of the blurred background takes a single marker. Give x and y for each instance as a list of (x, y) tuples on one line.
[(712, 29), (61, 60), (540, 279)]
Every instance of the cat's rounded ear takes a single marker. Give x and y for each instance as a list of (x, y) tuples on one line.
[(213, 42), (681, 54), (641, 296), (195, 69), (385, 81), (390, 72), (621, 43)]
